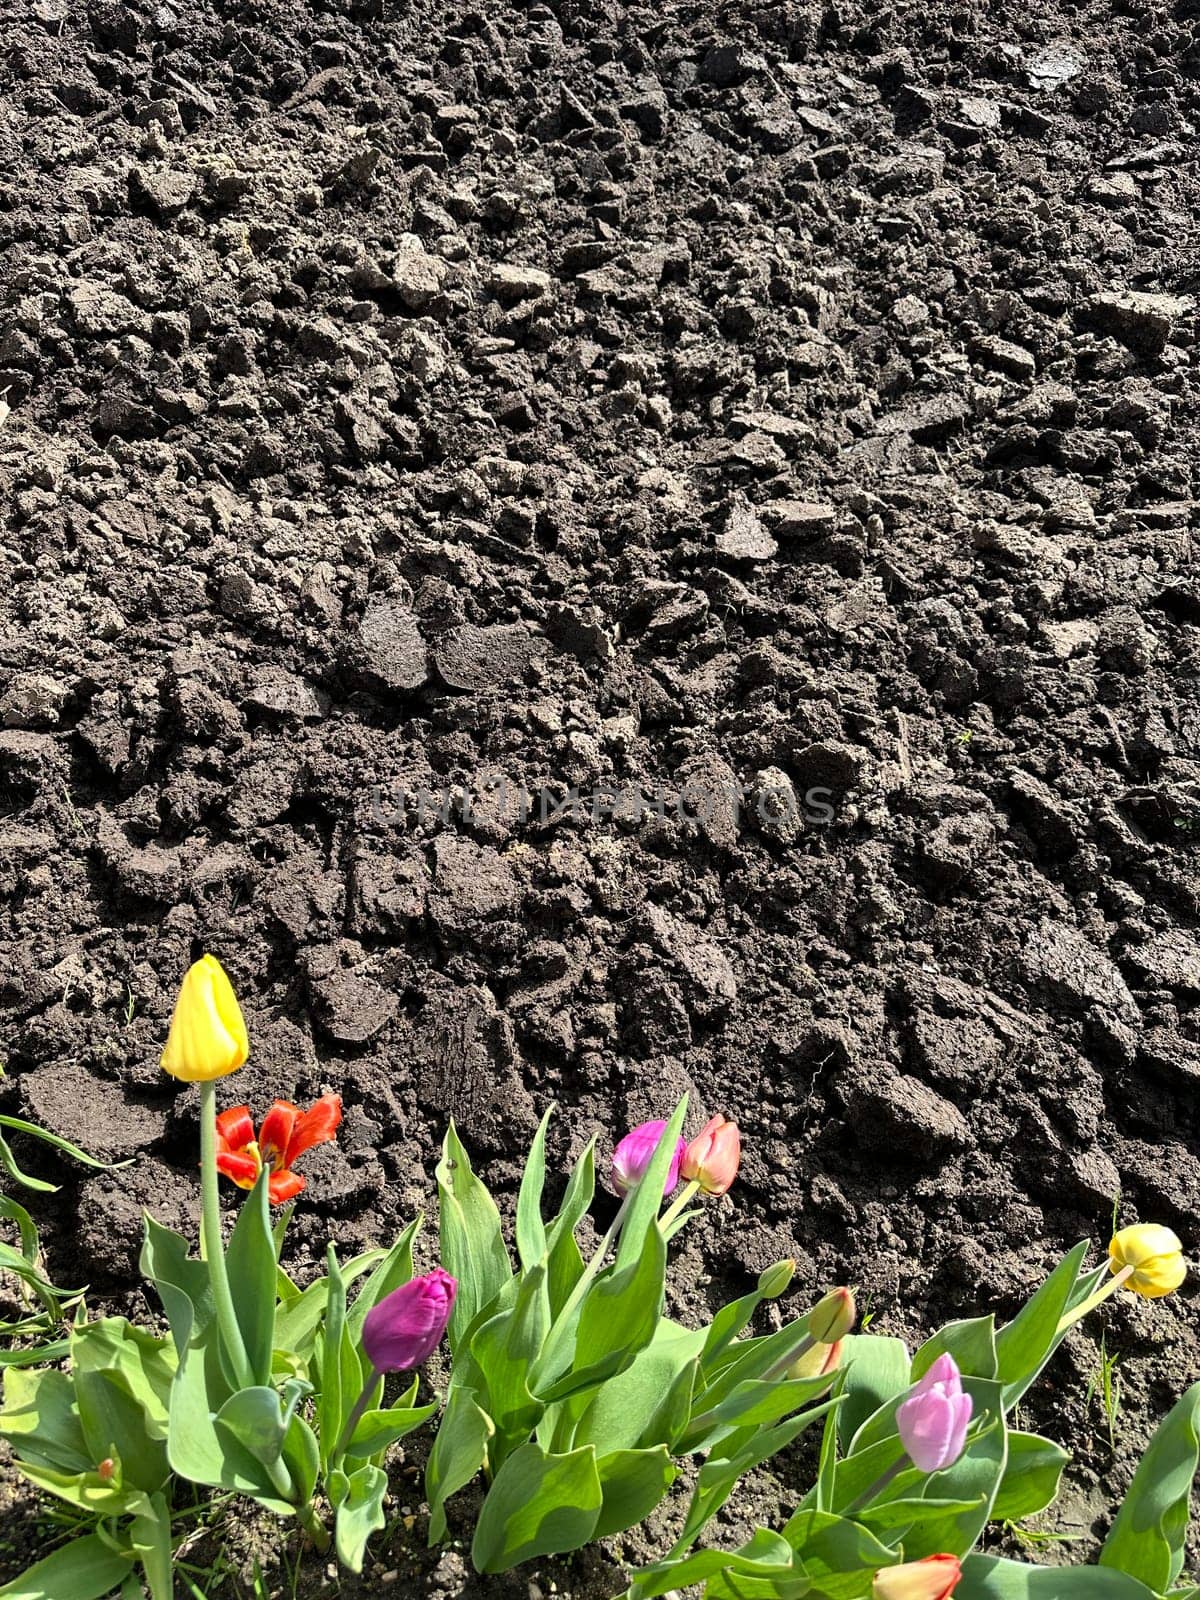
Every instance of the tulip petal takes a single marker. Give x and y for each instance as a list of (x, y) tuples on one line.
[(207, 1036), (243, 1169), (317, 1125), (926, 1424), (283, 1186), (276, 1132), (235, 1128)]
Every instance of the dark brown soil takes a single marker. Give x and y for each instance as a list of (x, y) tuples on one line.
[(797, 397)]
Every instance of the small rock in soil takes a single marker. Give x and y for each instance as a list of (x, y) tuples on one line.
[(1060, 959), (899, 1113), (388, 652), (477, 659), (744, 538)]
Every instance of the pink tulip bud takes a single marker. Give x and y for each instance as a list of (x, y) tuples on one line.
[(635, 1152), (714, 1155), (932, 1422), (933, 1578), (404, 1329)]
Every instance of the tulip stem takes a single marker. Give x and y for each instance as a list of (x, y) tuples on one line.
[(212, 1249), (685, 1196), (1090, 1304), (211, 1246), (355, 1417), (880, 1484), (313, 1527)]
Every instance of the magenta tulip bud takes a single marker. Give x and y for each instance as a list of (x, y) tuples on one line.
[(635, 1152), (932, 1422), (406, 1327)]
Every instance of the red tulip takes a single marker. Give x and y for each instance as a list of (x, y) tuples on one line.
[(286, 1133), (714, 1155)]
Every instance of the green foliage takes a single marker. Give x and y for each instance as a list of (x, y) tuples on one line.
[(1146, 1540), (572, 1390), (46, 1307), (867, 1488), (131, 1412), (9, 1162)]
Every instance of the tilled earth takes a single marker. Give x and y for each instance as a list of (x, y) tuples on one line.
[(762, 432)]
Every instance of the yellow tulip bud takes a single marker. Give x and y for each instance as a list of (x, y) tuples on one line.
[(207, 1038), (833, 1317), (1154, 1253), (817, 1361)]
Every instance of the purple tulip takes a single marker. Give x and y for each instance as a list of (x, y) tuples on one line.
[(635, 1152), (932, 1422), (406, 1327)]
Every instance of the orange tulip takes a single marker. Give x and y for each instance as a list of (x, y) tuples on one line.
[(713, 1157), (934, 1578)]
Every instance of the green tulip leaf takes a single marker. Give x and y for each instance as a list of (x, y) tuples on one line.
[(1024, 1345), (40, 1419), (472, 1243), (359, 1513), (538, 1505), (990, 1578), (504, 1349), (116, 1423), (531, 1229), (877, 1370), (564, 1261), (34, 1356), (766, 1558), (1031, 1476), (85, 1569), (88, 1491), (736, 1455), (837, 1554), (632, 1482), (200, 1387), (458, 1453), (645, 1201), (250, 1262), (377, 1431), (648, 1404), (1147, 1538), (618, 1317), (338, 1362), (972, 1344), (150, 1538)]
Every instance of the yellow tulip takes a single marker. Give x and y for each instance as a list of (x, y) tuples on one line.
[(208, 1035), (1155, 1255)]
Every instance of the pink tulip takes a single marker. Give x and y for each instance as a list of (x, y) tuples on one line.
[(713, 1157), (932, 1422), (404, 1329), (635, 1152)]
